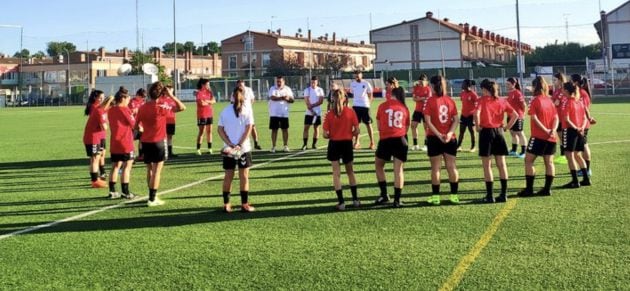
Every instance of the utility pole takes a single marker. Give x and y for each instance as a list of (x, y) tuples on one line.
[(175, 73), (566, 25), (520, 61)]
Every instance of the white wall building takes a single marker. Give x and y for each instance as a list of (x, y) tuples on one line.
[(615, 34)]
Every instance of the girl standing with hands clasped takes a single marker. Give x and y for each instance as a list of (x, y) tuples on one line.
[(205, 99), (393, 123), (489, 124), (440, 115), (235, 126), (517, 101), (574, 121), (94, 136), (121, 122), (469, 105), (340, 126)]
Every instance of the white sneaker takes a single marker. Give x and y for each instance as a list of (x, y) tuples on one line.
[(199, 152), (356, 203), (156, 202), (340, 207), (415, 148), (209, 151), (273, 150), (113, 195), (286, 149), (424, 148)]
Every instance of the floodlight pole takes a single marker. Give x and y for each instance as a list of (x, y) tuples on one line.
[(520, 60), (175, 74)]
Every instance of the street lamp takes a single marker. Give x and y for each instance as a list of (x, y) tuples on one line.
[(68, 72), (520, 64)]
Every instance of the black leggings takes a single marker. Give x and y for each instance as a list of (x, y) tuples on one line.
[(462, 130)]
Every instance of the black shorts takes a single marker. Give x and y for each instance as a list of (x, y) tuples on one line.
[(170, 128), (204, 121), (308, 120), (93, 149), (492, 143), (154, 152), (572, 140), (392, 147), (518, 125), (466, 121), (115, 158), (244, 162), (541, 147), (435, 147), (417, 117), (363, 114), (278, 123), (340, 150), (137, 134)]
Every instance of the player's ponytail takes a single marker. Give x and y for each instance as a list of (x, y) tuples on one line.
[(571, 88), (540, 86), (142, 93), (156, 89), (339, 101), (121, 94), (467, 85), (491, 87), (514, 82), (399, 94), (239, 98), (91, 100), (439, 86)]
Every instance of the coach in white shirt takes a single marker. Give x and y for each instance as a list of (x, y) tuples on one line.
[(313, 97), (248, 104), (280, 97), (362, 98)]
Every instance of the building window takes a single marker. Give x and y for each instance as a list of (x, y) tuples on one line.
[(233, 74), (254, 59), (266, 59), (245, 58), (101, 73), (232, 62)]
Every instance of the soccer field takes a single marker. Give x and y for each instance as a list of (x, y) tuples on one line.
[(575, 239)]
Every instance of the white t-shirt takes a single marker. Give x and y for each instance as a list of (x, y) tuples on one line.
[(360, 91), (234, 127), (313, 96), (279, 108)]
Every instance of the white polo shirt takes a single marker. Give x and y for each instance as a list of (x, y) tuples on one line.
[(234, 127), (279, 108), (360, 91), (313, 95)]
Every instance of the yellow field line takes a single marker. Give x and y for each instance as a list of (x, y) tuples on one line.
[(458, 273)]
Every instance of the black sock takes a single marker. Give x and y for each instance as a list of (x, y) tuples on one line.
[(529, 183), (340, 196), (561, 150), (226, 197), (514, 147), (503, 187), (522, 150), (255, 143), (314, 142), (548, 182), (244, 197), (574, 178), (94, 177), (397, 194), (140, 152), (112, 186), (353, 190), (585, 175), (305, 142), (472, 138), (101, 170), (198, 146), (383, 186), (435, 189), (454, 187), (588, 164), (152, 194), (489, 188), (415, 141), (170, 150), (209, 145), (125, 188)]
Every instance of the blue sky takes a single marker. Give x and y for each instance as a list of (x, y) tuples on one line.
[(112, 23)]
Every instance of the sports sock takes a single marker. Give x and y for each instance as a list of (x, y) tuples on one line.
[(152, 194), (112, 186), (353, 190), (588, 164), (244, 197), (314, 142), (529, 183), (305, 142), (226, 197), (198, 146), (489, 188), (548, 182), (503, 187), (574, 178), (435, 189), (522, 150), (340, 196), (101, 170), (514, 147), (415, 141), (125, 188), (383, 187), (454, 187), (94, 177), (397, 194), (209, 145), (585, 175)]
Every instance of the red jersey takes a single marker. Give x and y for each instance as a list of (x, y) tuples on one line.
[(586, 100), (152, 116), (121, 123), (421, 91), (94, 130), (135, 104), (204, 111), (516, 99), (441, 111), (469, 103), (170, 105), (574, 109), (393, 119), (492, 110), (543, 108), (340, 127)]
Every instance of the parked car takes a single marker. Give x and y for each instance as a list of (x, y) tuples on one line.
[(601, 84)]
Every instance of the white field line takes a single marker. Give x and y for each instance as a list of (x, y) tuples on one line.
[(610, 113), (609, 142), (103, 209)]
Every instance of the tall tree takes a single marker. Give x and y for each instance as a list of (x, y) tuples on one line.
[(168, 48), (280, 64), (23, 54), (189, 46), (39, 55), (565, 54), (209, 48), (139, 58), (55, 48)]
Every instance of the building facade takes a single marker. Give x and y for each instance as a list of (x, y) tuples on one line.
[(615, 34), (429, 42), (305, 51)]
